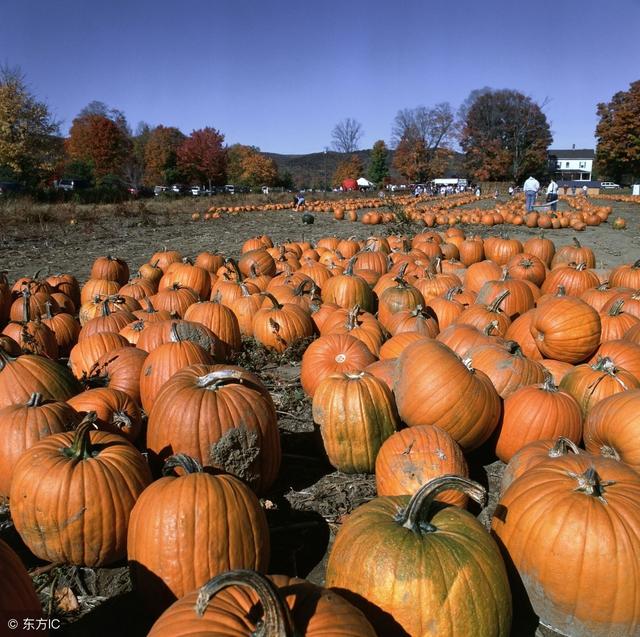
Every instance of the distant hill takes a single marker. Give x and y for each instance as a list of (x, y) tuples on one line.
[(316, 169)]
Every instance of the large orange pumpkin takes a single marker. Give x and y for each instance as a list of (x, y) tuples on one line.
[(17, 595)]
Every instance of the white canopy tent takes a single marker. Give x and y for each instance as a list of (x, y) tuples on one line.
[(365, 183)]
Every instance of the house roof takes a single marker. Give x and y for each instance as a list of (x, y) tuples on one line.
[(577, 153)]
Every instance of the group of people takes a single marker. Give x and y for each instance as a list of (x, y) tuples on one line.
[(532, 186)]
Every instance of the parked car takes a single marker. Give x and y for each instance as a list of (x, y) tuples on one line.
[(158, 190), (230, 189), (609, 184), (8, 186)]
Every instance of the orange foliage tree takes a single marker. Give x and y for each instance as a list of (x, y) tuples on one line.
[(247, 166), (350, 168), (202, 157), (618, 134), (99, 142), (161, 155)]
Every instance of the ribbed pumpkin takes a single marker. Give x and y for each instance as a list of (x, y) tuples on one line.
[(574, 279), (624, 355), (537, 412), (116, 412), (245, 307), (106, 321), (213, 522), (462, 337), (280, 326), (480, 315), (65, 329), (362, 325), (520, 332), (533, 454), (356, 413), (224, 417), (111, 269), (93, 479), (164, 258), (330, 354), (612, 428), (446, 308), (30, 374), (589, 384), (174, 299), (186, 275), (221, 321), (162, 363), (519, 300), (411, 457), (420, 319), (575, 253), (586, 511), (398, 298), (22, 425), (506, 366), (18, 597), (84, 355), (119, 369), (384, 370), (566, 329), (434, 387), (289, 607), (348, 289), (626, 276), (400, 539), (479, 273), (615, 321), (540, 247), (557, 369), (527, 266)]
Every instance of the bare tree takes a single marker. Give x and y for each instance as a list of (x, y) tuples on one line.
[(346, 135), (433, 126)]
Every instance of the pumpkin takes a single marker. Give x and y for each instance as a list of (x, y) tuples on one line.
[(186, 275), (624, 355), (244, 308), (289, 606), (540, 247), (28, 374), (400, 539), (356, 413), (466, 405), (527, 266), (537, 412), (224, 417), (520, 299), (22, 425), (111, 269), (348, 289), (84, 354), (533, 454), (575, 253), (520, 331), (447, 308), (163, 362), (175, 299), (566, 329), (420, 319), (17, 594), (612, 428), (384, 370), (65, 330), (461, 337), (363, 325), (164, 258), (139, 289), (574, 278), (585, 510), (397, 298), (557, 369), (221, 321), (615, 322), (411, 457), (329, 354), (589, 384), (213, 522), (106, 321), (481, 316), (626, 276), (93, 479), (119, 369)]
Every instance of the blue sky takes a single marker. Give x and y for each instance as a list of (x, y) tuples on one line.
[(279, 74)]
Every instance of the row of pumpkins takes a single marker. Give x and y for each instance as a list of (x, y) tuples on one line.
[(421, 350)]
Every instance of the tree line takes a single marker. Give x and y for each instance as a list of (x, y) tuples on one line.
[(503, 134)]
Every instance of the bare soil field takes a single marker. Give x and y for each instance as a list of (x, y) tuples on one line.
[(310, 499)]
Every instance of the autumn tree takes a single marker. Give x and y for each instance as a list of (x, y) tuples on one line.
[(351, 168), (247, 166), (29, 142), (423, 137), (346, 135), (202, 157), (161, 156), (99, 142), (378, 168), (618, 135), (505, 136)]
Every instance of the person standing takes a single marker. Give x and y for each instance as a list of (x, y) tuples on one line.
[(511, 191), (552, 194), (585, 190), (530, 187)]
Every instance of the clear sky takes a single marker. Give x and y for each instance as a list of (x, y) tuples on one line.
[(279, 74)]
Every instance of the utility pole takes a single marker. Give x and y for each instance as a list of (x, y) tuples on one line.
[(325, 169)]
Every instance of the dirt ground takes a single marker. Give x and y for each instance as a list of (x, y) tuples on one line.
[(307, 505)]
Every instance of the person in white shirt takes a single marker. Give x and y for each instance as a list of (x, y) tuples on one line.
[(552, 194), (530, 187)]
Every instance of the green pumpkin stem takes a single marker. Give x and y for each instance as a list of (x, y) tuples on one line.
[(184, 462), (494, 307), (276, 620), (616, 308), (81, 448), (417, 515), (276, 304)]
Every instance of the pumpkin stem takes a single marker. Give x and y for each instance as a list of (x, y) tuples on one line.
[(121, 420), (35, 400), (576, 243), (609, 452), (80, 448), (276, 303), (490, 328), (494, 307), (219, 378), (548, 384), (26, 310), (513, 347), (591, 484), (616, 308), (352, 317), (451, 292), (417, 515), (562, 447), (350, 265), (47, 309), (182, 460), (276, 620), (174, 337), (399, 278)]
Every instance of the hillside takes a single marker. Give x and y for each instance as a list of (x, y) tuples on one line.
[(316, 169)]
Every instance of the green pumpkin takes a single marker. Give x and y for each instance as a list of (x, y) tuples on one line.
[(418, 568)]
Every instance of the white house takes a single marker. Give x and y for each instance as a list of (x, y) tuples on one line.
[(572, 165)]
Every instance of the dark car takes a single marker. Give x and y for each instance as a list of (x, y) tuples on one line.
[(7, 187)]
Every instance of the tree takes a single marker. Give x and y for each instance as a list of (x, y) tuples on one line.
[(350, 168), (114, 114), (29, 142), (618, 135), (101, 143), (378, 168), (505, 136), (202, 157), (161, 156), (423, 137), (135, 165), (247, 166), (346, 135)]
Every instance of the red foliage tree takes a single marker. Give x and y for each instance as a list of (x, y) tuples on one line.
[(99, 142), (202, 156)]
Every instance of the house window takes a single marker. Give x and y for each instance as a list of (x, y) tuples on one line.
[(583, 164), (559, 165), (566, 164)]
